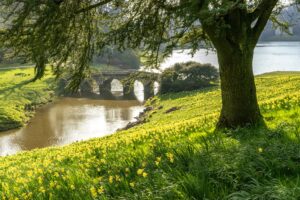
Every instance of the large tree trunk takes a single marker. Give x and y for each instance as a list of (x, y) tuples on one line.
[(239, 101)]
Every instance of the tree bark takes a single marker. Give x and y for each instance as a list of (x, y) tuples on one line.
[(239, 101)]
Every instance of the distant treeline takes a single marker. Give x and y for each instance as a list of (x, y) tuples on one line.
[(127, 59), (291, 16)]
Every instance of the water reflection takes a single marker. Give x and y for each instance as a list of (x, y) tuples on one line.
[(69, 120), (139, 91), (116, 88)]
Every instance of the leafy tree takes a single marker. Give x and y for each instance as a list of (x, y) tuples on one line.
[(188, 76), (67, 33)]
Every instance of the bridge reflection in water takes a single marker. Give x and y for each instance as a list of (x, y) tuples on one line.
[(127, 84)]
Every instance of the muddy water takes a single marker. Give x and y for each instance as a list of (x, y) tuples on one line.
[(69, 120)]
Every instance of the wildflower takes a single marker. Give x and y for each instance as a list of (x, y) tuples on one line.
[(140, 171), (170, 157), (132, 184), (157, 161), (30, 173), (56, 174), (145, 174), (260, 150), (97, 180), (111, 179), (93, 192), (101, 190), (118, 178), (40, 170), (42, 190), (40, 180), (52, 184)]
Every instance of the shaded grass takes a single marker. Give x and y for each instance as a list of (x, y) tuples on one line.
[(176, 155), (19, 97)]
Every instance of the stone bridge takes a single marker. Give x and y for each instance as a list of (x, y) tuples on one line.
[(103, 80)]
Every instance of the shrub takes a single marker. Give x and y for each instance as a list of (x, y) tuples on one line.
[(188, 76)]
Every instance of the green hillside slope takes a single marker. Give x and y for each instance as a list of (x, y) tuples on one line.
[(176, 154)]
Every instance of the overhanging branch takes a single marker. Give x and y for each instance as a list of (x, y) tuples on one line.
[(262, 14), (101, 3)]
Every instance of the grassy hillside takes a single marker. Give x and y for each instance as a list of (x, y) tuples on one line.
[(18, 98), (175, 155)]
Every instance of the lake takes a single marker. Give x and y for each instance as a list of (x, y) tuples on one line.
[(268, 57)]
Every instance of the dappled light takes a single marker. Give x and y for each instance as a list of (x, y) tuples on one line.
[(156, 86), (139, 90), (116, 87)]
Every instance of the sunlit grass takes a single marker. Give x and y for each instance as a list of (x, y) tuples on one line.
[(176, 155)]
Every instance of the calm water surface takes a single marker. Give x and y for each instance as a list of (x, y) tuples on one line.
[(69, 120), (268, 57)]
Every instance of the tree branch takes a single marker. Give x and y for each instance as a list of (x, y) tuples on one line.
[(262, 14), (101, 3)]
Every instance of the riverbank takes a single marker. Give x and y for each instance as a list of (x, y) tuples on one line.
[(19, 98), (174, 155)]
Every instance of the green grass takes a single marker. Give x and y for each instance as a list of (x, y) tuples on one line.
[(176, 155), (18, 97), (13, 65)]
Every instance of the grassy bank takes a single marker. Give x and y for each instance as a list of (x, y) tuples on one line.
[(175, 155), (18, 98)]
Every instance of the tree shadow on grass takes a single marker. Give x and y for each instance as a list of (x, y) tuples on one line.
[(245, 164), (191, 93), (10, 90)]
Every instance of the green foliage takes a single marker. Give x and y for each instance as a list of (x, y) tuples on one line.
[(176, 155), (188, 76), (123, 60), (68, 33), (19, 98)]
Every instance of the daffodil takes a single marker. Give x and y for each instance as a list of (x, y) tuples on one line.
[(111, 179), (144, 174), (132, 184), (93, 192), (140, 171), (101, 190)]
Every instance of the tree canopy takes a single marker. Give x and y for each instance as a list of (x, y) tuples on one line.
[(69, 32), (66, 33)]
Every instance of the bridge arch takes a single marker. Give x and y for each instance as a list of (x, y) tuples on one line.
[(139, 90), (117, 87), (149, 82), (156, 87)]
